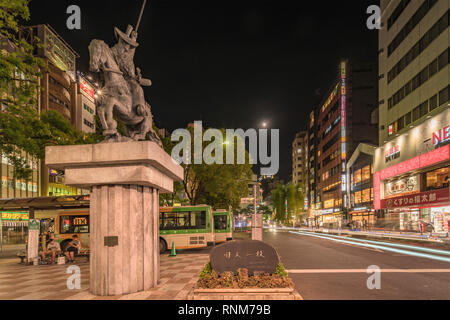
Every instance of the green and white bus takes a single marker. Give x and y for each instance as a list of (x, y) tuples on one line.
[(186, 227), (223, 226)]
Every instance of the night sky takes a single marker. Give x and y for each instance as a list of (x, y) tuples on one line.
[(229, 63)]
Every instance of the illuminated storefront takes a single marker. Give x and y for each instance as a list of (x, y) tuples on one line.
[(360, 190), (13, 227), (413, 188)]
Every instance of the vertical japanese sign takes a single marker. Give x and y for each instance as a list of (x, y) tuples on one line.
[(344, 124), (33, 239)]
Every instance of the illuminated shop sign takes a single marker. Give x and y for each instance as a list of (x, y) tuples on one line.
[(344, 122), (401, 186), (328, 211), (441, 137), (392, 153), (331, 97), (17, 216), (80, 221), (417, 200), (87, 90)]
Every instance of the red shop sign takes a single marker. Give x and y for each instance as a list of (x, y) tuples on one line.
[(418, 199)]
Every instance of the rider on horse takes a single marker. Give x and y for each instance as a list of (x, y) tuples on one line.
[(123, 53)]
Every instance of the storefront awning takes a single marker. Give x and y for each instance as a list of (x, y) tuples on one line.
[(45, 203)]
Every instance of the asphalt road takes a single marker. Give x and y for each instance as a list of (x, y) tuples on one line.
[(329, 270)]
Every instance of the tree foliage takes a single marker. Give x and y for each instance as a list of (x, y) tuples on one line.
[(279, 202), (288, 202), (218, 185), (23, 130)]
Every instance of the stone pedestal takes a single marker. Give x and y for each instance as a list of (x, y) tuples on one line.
[(125, 179)]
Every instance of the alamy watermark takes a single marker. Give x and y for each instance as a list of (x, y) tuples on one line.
[(234, 144), (374, 281), (74, 281), (374, 20), (74, 20)]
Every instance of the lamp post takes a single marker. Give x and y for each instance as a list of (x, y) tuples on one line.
[(257, 222)]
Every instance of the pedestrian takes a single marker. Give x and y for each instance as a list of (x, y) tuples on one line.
[(52, 249), (72, 248)]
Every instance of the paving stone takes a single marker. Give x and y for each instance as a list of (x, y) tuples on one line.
[(49, 282)]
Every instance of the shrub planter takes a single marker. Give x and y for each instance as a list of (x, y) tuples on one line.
[(240, 286), (244, 294)]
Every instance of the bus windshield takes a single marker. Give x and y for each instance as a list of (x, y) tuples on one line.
[(182, 220), (220, 222)]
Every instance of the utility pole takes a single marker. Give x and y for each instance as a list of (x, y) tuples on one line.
[(257, 223)]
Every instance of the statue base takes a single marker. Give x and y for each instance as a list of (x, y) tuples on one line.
[(126, 180)]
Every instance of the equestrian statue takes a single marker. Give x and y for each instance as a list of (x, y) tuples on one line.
[(122, 94)]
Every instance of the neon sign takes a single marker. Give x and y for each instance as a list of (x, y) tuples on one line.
[(343, 122), (442, 136), (331, 97), (20, 216), (87, 89), (81, 221)]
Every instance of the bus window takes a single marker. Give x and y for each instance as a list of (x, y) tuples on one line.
[(182, 220), (74, 224), (220, 222)]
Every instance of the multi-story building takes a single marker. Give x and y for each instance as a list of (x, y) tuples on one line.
[(59, 93), (346, 117), (411, 180), (299, 159), (86, 110)]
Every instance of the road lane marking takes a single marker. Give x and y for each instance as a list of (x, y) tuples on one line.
[(308, 271), (397, 245), (410, 253)]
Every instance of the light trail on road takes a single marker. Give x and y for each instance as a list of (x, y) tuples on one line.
[(436, 251), (382, 247)]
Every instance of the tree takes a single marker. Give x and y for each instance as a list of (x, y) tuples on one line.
[(279, 203), (22, 129), (266, 212), (218, 185), (288, 202)]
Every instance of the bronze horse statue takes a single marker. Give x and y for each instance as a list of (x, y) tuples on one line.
[(116, 99)]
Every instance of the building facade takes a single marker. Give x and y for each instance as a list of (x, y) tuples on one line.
[(411, 180), (414, 66), (411, 187), (346, 117), (299, 159), (360, 169), (59, 93), (86, 108)]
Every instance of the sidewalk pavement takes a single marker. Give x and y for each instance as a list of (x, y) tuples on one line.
[(49, 282), (8, 254)]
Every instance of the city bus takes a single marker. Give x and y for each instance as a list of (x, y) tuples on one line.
[(223, 226), (186, 227), (64, 224)]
